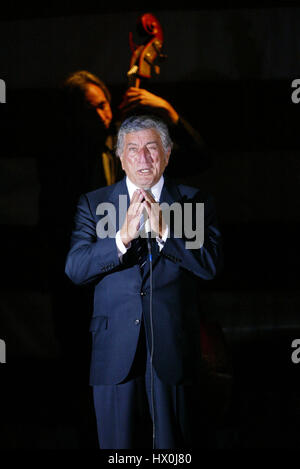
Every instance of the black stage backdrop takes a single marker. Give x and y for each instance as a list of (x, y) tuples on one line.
[(230, 72)]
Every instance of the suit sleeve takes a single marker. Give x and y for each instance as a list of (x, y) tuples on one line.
[(206, 260), (89, 257)]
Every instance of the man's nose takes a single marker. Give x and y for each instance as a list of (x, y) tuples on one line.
[(144, 155), (101, 114), (105, 116)]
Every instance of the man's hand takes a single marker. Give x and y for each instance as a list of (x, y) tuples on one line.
[(131, 225), (157, 222), (135, 97), (142, 200)]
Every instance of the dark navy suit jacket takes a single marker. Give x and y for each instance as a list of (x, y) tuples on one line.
[(121, 292)]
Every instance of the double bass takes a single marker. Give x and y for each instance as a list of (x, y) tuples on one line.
[(146, 56)]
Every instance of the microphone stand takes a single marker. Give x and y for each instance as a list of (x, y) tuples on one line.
[(148, 232)]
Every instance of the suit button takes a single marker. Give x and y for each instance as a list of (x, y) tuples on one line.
[(143, 293), (137, 322)]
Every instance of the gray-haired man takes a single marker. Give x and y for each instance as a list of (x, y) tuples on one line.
[(146, 354)]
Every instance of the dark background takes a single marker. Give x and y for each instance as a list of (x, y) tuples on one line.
[(229, 72)]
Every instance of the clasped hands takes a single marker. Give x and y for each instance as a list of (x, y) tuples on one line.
[(142, 200)]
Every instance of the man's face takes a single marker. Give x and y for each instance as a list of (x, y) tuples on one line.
[(97, 100), (144, 159)]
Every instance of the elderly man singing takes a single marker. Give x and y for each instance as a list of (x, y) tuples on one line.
[(146, 357)]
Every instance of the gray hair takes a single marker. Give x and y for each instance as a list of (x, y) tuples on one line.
[(136, 123)]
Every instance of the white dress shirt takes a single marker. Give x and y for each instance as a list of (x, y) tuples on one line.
[(156, 192)]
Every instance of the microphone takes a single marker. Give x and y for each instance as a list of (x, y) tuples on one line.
[(148, 227)]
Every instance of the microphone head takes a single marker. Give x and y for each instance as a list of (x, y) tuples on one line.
[(147, 226)]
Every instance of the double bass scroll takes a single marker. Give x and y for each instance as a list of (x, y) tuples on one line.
[(145, 57)]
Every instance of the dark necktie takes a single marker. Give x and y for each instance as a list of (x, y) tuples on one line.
[(139, 245)]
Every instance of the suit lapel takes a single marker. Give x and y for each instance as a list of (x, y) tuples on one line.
[(169, 193), (119, 198)]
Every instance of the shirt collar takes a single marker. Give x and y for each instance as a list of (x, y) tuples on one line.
[(156, 189)]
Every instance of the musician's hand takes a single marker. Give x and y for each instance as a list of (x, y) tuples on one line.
[(130, 227), (135, 97), (157, 222)]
